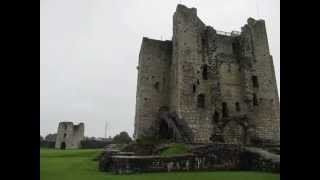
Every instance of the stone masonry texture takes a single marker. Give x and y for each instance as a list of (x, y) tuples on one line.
[(69, 136), (222, 84)]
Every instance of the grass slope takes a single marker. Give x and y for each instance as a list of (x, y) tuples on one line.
[(174, 149), (78, 165)]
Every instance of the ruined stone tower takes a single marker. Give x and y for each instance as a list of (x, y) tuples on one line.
[(69, 136), (206, 85)]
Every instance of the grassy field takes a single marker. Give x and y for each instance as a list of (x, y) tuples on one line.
[(78, 165)]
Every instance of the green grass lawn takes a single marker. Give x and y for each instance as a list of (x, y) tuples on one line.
[(78, 165)]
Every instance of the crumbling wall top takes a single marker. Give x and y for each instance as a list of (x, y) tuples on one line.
[(80, 125), (251, 21), (184, 9), (66, 122), (149, 44), (146, 39)]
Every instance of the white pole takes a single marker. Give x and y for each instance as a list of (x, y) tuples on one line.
[(105, 131)]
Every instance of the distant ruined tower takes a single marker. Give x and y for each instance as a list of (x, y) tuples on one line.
[(208, 86), (69, 136)]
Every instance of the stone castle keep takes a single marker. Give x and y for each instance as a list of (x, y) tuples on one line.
[(69, 136), (207, 86)]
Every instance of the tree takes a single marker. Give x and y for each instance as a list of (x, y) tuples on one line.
[(51, 137), (122, 138), (41, 138)]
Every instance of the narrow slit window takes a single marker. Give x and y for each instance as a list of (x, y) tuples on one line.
[(225, 112), (205, 72), (156, 86), (234, 48), (216, 117), (201, 101), (194, 88), (255, 81), (255, 100), (238, 107)]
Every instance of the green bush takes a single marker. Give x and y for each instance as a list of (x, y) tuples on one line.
[(122, 138)]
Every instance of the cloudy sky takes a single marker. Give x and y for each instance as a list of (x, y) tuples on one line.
[(89, 53)]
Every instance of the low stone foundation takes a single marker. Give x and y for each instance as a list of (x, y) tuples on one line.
[(130, 164), (259, 160), (203, 157)]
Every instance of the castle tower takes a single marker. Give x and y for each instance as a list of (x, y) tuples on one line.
[(221, 85), (189, 62), (261, 88), (69, 136), (153, 82)]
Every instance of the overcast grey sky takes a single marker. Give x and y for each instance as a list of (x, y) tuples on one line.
[(89, 52)]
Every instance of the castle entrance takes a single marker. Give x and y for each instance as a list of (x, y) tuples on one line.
[(165, 132), (63, 145)]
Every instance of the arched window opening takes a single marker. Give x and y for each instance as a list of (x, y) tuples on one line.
[(205, 72), (165, 132), (255, 81), (63, 145), (234, 48), (225, 110), (156, 86), (238, 107), (64, 135), (255, 100), (201, 101)]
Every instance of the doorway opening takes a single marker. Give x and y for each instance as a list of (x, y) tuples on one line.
[(63, 145), (165, 132)]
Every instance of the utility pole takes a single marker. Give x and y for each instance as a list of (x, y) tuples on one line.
[(105, 130)]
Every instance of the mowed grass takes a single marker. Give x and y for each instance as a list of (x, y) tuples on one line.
[(79, 165)]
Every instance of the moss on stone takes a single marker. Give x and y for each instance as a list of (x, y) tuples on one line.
[(175, 149)]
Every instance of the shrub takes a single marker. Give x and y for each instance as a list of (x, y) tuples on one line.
[(122, 138), (93, 144)]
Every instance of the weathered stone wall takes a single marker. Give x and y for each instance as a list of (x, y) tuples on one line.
[(218, 156), (259, 160), (265, 114), (187, 46), (69, 136), (153, 82), (230, 75), (222, 85)]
